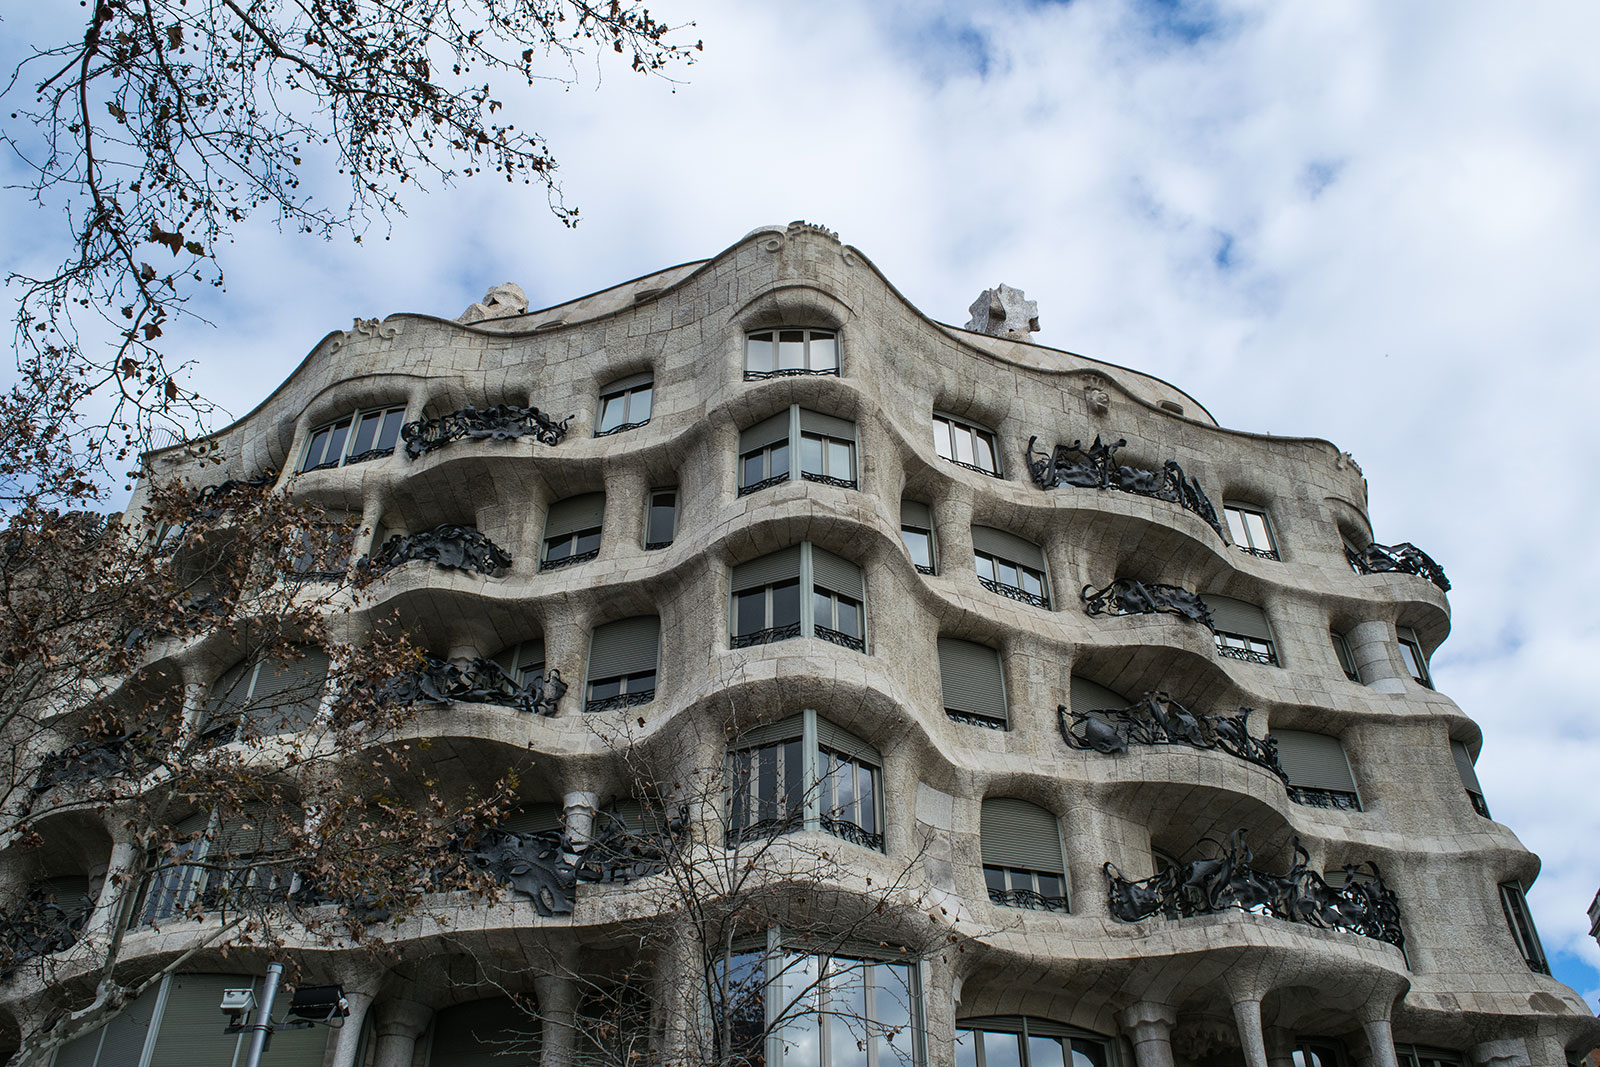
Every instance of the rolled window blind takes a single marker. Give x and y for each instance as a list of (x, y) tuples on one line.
[(1236, 617), (837, 739), (766, 432), (914, 513), (1464, 767), (529, 655), (1018, 834), (575, 513), (627, 646), (286, 695), (768, 734), (827, 425), (485, 1033), (533, 819), (1090, 696), (835, 574), (779, 566), (1314, 761), (188, 1031), (970, 675), (632, 381), (1007, 546)]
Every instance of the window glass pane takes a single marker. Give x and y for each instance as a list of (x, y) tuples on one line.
[(319, 442), (336, 438), (822, 609), (750, 612), (1006, 573), (786, 604), (745, 978), (891, 1008), (778, 460), (758, 352), (557, 548), (1236, 526), (794, 775), (995, 878), (811, 454), (824, 352), (1045, 1052), (639, 404), (919, 546), (1032, 582), (640, 683), (663, 517), (983, 448), (847, 1002), (605, 689), (1088, 1054), (1408, 652), (755, 468), (798, 1002), (366, 432), (842, 793), (791, 349), (966, 1048), (867, 788), (588, 541), (393, 419), (963, 442), (941, 438), (612, 411), (1257, 524), (985, 566), (766, 772), (839, 465), (1050, 886), (1002, 1050), (848, 617)]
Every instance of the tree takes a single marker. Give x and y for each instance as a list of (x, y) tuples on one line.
[(169, 122)]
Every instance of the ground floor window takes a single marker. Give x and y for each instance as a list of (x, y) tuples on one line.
[(1020, 1041)]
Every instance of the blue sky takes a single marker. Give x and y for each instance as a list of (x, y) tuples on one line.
[(1372, 222)]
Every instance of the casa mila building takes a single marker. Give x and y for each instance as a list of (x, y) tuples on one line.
[(1140, 703)]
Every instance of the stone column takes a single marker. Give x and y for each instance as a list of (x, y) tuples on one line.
[(1507, 1052), (939, 1008), (398, 1025), (1280, 1047), (118, 882), (1252, 1042), (579, 808), (1149, 1025), (347, 1039), (558, 1011), (1372, 648), (1380, 1042)]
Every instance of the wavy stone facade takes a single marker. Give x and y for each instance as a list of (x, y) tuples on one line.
[(1168, 936)]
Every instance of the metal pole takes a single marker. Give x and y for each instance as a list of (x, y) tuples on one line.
[(261, 1029)]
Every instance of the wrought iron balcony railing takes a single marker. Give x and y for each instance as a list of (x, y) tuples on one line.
[(765, 483), (839, 637), (461, 548), (1260, 553), (788, 823), (846, 830), (622, 428), (1157, 719), (39, 925), (826, 479), (1128, 596), (1095, 467), (569, 561), (503, 422), (1362, 905), (620, 701), (1027, 898), (1014, 593), (1267, 657), (1316, 797), (966, 718), (92, 759), (480, 681), (765, 637), (1405, 558), (787, 372)]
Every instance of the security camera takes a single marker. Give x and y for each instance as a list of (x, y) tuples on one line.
[(236, 1005)]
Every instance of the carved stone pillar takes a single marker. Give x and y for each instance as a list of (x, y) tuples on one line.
[(1372, 649), (1252, 1041), (1509, 1052), (1380, 1041), (118, 881), (398, 1024), (579, 808), (347, 1039), (1149, 1026), (558, 1008), (1280, 1047)]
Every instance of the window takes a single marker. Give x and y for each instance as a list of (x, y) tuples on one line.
[(1241, 630), (826, 447), (1411, 652), (622, 663), (916, 530), (1469, 777), (1319, 774), (236, 871), (974, 689), (1251, 530), (800, 591), (1520, 919), (524, 662), (1318, 1052), (1022, 863), (805, 773), (1010, 566), (780, 353), (572, 531), (325, 546), (1027, 1042), (1341, 649), (264, 697), (496, 1030), (376, 432), (793, 1009), (624, 405), (661, 525), (970, 446), (1422, 1056)]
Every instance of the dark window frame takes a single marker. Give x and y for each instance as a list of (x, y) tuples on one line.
[(1268, 549), (628, 395), (774, 337), (352, 425)]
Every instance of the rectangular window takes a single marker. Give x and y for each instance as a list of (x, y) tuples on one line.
[(916, 531), (828, 460), (1341, 649), (1520, 920), (768, 791), (766, 614), (968, 445), (662, 524), (1251, 530), (1244, 647), (1027, 1042), (1008, 578), (972, 683), (622, 663), (763, 467), (780, 353), (572, 531), (624, 405), (849, 799), (376, 433), (805, 776), (1411, 652)]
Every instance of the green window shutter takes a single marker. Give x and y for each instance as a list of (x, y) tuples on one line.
[(632, 381), (917, 514), (835, 739), (971, 676), (1018, 834), (836, 575), (285, 696), (1236, 617), (1314, 761), (827, 425), (533, 819), (1469, 773), (485, 1033), (780, 566), (766, 432), (575, 513), (190, 1028), (1008, 546), (1090, 696), (769, 734), (627, 646)]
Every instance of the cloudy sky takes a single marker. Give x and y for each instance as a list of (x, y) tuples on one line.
[(1373, 222)]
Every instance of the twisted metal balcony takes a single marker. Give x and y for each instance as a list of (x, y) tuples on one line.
[(765, 637), (1128, 596), (1014, 593), (787, 372), (503, 422), (480, 681), (461, 548), (839, 637), (846, 830), (39, 925), (1095, 467), (1027, 898), (569, 561), (966, 718), (765, 483), (621, 700), (1362, 905), (1404, 558), (1157, 719), (1266, 657), (828, 479), (92, 759)]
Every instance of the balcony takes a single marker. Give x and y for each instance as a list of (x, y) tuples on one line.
[(1129, 596), (1095, 467), (1157, 719), (1404, 558), (503, 422), (479, 681), (460, 548)]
